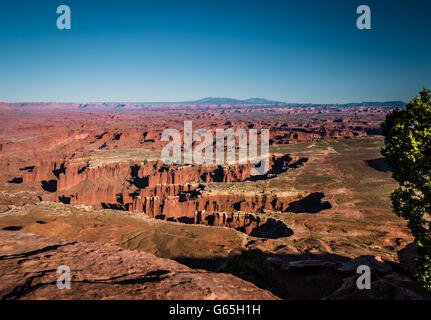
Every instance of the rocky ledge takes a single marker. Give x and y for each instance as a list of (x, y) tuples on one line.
[(29, 263)]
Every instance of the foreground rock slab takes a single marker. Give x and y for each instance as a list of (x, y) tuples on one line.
[(28, 270)]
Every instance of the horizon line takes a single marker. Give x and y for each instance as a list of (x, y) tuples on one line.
[(197, 101)]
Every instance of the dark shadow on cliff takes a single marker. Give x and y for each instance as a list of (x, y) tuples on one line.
[(272, 229), (217, 175), (378, 164), (310, 204), (28, 168), (50, 186), (135, 180), (113, 206), (16, 180), (259, 268), (373, 131), (12, 228), (58, 171), (279, 166), (100, 136), (186, 220), (64, 199), (117, 137), (190, 195), (314, 276), (407, 257)]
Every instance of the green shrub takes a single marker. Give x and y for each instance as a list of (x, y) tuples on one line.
[(408, 153)]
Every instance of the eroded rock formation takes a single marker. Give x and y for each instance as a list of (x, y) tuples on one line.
[(168, 192)]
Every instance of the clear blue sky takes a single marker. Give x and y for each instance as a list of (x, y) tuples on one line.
[(163, 50)]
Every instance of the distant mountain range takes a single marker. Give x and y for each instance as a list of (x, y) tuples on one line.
[(375, 104), (201, 102), (263, 101), (231, 101)]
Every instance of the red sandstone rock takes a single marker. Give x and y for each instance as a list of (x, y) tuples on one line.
[(103, 271)]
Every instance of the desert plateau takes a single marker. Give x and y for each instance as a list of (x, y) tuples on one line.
[(87, 174)]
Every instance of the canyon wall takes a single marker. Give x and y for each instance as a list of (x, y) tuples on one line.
[(168, 192)]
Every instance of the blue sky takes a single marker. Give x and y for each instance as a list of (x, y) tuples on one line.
[(294, 51)]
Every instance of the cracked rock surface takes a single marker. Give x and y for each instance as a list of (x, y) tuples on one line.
[(29, 262)]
